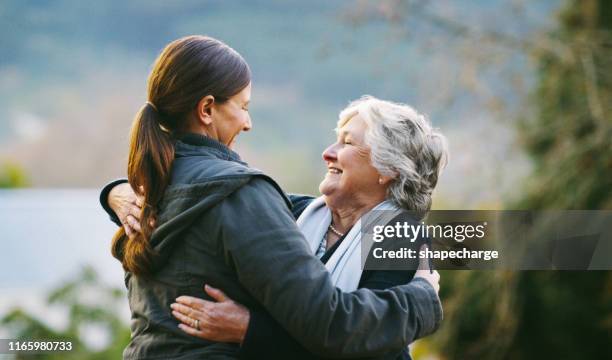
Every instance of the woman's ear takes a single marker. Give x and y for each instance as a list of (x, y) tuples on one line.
[(204, 110), (385, 180)]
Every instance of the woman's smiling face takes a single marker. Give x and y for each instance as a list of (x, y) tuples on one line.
[(232, 117), (350, 178)]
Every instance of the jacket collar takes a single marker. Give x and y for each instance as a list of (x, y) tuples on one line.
[(191, 144)]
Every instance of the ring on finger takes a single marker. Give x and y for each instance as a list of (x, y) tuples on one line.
[(197, 324)]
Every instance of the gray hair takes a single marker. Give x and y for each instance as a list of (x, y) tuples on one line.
[(404, 146)]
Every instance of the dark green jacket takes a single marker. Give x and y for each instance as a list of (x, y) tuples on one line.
[(230, 226)]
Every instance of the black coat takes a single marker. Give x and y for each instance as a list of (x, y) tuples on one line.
[(266, 338), (230, 226)]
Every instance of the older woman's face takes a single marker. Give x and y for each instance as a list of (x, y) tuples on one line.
[(350, 175)]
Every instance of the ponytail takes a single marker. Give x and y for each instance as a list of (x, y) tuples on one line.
[(149, 164), (187, 70)]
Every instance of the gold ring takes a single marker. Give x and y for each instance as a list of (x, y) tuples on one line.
[(197, 324)]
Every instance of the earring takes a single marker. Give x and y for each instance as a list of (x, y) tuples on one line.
[(380, 181)]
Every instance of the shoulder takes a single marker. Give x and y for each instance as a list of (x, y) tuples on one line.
[(208, 170), (259, 192), (198, 169), (299, 202), (263, 184)]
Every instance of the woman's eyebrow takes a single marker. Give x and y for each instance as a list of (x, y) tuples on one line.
[(342, 133)]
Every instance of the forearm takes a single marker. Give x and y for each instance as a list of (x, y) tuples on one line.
[(274, 263), (364, 323), (266, 338)]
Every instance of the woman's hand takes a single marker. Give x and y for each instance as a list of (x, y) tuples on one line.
[(222, 321), (127, 206), (425, 272)]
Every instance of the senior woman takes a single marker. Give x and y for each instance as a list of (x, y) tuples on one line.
[(386, 157)]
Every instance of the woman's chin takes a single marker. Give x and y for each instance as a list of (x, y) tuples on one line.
[(322, 187), (326, 186)]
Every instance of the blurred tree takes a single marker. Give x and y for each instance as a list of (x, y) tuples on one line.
[(566, 129), (12, 176), (568, 134), (88, 304)]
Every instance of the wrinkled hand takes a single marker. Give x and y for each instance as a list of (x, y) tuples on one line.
[(221, 321), (127, 205), (426, 273)]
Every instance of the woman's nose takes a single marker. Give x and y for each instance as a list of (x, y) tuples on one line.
[(248, 124), (330, 154)]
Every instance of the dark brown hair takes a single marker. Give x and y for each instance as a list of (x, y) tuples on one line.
[(187, 70)]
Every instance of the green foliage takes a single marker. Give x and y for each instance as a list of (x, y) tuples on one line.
[(546, 314), (12, 176), (88, 302), (570, 136), (526, 315)]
